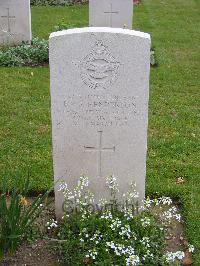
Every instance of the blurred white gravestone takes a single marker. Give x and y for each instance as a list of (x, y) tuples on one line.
[(15, 21), (99, 104), (111, 13)]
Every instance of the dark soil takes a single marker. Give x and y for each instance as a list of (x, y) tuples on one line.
[(39, 253)]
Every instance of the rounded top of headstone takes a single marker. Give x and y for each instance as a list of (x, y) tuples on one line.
[(100, 30)]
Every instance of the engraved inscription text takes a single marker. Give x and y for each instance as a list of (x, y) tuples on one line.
[(100, 110)]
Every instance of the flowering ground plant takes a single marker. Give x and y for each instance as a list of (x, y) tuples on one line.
[(111, 235)]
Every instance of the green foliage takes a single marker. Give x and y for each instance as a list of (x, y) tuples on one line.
[(25, 54), (65, 26), (75, 230), (17, 215), (111, 234)]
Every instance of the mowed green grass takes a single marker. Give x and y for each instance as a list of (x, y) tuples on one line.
[(173, 139), (44, 19)]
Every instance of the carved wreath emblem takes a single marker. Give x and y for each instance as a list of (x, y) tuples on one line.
[(99, 69)]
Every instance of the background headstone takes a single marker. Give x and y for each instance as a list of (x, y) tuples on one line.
[(111, 13), (15, 21), (99, 98)]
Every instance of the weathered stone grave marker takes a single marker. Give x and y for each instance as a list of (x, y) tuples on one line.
[(111, 13), (15, 21), (99, 98)]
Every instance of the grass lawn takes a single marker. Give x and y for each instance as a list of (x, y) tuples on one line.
[(173, 144)]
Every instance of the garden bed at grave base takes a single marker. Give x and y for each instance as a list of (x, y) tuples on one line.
[(155, 236), (41, 250)]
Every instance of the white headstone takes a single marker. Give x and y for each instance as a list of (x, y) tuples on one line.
[(111, 13), (99, 97), (15, 21)]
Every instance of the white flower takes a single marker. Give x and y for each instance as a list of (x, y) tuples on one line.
[(165, 200), (62, 186), (145, 221), (146, 242), (126, 231), (147, 203), (177, 217), (128, 251), (171, 213), (83, 182), (128, 213), (172, 256), (111, 181), (107, 216), (116, 223), (132, 260), (191, 248), (91, 254), (52, 224)]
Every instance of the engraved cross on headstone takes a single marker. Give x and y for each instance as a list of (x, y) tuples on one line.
[(8, 19), (99, 149), (111, 12)]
